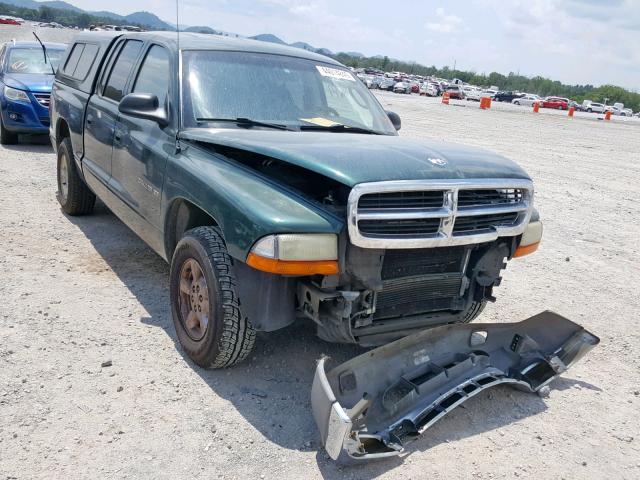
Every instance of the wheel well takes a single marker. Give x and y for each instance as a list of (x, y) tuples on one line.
[(63, 131), (184, 215)]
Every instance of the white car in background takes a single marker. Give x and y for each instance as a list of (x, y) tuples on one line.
[(618, 109), (528, 99), (402, 87), (489, 92), (594, 107), (428, 89), (472, 93)]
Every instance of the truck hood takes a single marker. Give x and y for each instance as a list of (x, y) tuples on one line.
[(29, 81), (351, 158)]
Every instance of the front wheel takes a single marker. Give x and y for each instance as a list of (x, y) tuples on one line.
[(7, 137), (204, 301), (474, 311)]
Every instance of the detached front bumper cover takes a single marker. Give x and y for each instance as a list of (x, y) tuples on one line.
[(373, 405)]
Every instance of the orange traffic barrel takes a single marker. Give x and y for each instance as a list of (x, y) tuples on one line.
[(445, 98), (485, 102), (607, 116), (536, 107), (571, 110)]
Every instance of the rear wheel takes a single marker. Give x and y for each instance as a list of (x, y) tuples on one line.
[(204, 301), (74, 196), (7, 137)]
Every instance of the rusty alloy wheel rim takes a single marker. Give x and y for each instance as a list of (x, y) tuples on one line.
[(194, 299)]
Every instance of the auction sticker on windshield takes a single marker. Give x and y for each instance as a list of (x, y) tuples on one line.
[(335, 73)]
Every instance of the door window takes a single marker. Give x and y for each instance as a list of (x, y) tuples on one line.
[(117, 81), (153, 77)]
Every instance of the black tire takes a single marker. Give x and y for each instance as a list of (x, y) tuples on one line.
[(473, 312), (74, 196), (7, 137), (228, 337)]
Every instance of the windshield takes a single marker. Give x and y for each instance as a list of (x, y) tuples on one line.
[(277, 89), (31, 60)]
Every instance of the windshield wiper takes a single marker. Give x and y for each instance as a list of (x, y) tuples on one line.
[(338, 127), (245, 122), (44, 51)]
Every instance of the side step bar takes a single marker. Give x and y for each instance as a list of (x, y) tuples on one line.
[(374, 404)]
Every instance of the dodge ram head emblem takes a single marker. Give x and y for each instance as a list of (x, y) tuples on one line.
[(437, 161)]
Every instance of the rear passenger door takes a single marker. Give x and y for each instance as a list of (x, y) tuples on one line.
[(141, 147), (102, 110)]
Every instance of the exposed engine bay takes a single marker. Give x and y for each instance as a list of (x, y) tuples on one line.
[(386, 294)]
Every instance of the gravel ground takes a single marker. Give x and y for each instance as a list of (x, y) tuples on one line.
[(78, 294)]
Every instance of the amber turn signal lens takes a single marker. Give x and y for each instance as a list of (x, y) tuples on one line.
[(293, 267), (521, 251)]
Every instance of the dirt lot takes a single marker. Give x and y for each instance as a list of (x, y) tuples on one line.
[(77, 292)]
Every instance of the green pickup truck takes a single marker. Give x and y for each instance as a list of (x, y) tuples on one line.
[(277, 187)]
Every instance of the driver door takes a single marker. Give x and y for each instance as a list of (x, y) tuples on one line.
[(141, 147)]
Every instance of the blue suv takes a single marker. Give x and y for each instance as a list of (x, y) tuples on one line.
[(25, 87)]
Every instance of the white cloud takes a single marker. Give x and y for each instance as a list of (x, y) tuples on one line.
[(575, 41), (445, 23)]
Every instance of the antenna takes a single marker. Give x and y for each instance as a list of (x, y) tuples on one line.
[(178, 146), (178, 27)]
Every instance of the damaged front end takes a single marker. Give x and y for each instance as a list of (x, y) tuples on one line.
[(373, 405)]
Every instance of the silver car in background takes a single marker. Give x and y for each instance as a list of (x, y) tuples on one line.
[(528, 99)]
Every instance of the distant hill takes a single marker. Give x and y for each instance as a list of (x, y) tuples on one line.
[(303, 45), (148, 19), (324, 51), (60, 5), (268, 37), (196, 29)]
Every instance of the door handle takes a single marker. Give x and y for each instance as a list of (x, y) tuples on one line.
[(89, 119)]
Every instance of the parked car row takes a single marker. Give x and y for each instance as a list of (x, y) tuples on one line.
[(26, 78)]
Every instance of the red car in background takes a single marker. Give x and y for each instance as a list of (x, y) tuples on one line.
[(556, 102), (455, 91), (9, 21)]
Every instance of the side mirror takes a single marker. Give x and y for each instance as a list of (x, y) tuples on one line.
[(144, 105), (395, 119)]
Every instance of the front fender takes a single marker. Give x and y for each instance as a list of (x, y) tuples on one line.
[(245, 206)]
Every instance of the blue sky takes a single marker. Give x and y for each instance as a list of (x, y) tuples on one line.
[(575, 41)]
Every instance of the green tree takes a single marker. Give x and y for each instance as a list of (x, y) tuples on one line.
[(46, 14)]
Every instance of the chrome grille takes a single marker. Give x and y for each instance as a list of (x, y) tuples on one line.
[(404, 200), (399, 227), (43, 99), (484, 222), (483, 197), (424, 213)]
